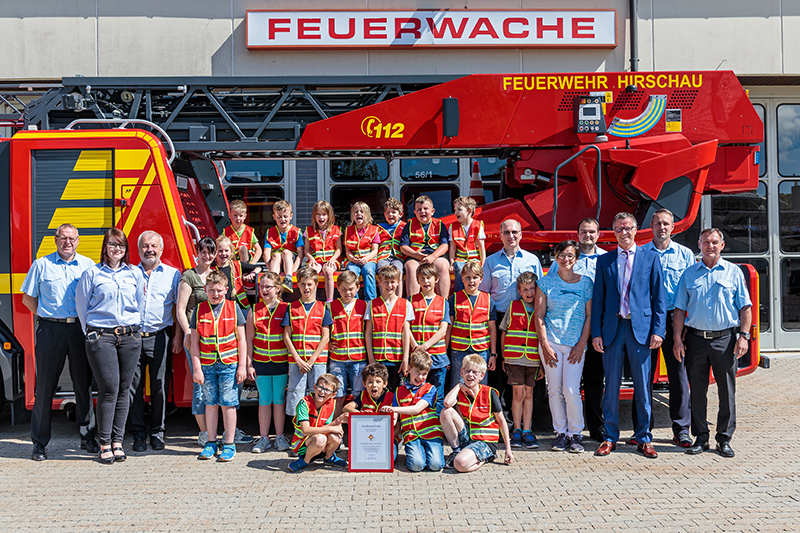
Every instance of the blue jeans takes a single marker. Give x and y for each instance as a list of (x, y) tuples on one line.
[(368, 273), (456, 361), (219, 385), (424, 453), (458, 283), (301, 384), (198, 405), (436, 377), (349, 374), (480, 448)]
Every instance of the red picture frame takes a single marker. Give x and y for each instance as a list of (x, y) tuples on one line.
[(379, 425)]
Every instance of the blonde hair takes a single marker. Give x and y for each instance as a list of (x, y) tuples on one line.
[(466, 201), (274, 277), (421, 360), (525, 278), (475, 361), (331, 380), (393, 203), (472, 267), (222, 239), (215, 277), (280, 206), (365, 208), (427, 269), (307, 273), (421, 199), (389, 272), (327, 208), (238, 207), (347, 277)]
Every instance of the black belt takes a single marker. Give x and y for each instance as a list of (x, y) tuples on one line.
[(711, 334), (119, 330), (151, 333), (70, 320)]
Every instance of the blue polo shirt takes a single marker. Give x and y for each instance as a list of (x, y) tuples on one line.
[(500, 275), (53, 282), (675, 259), (160, 293), (712, 297), (107, 298)]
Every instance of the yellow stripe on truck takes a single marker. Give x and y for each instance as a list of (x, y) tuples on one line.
[(88, 189), (94, 161), (82, 217), (11, 283), (131, 159), (89, 245), (137, 204)]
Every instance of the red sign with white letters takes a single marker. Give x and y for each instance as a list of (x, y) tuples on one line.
[(431, 29)]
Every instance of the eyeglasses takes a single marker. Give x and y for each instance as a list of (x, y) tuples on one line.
[(68, 239), (116, 245), (626, 229), (472, 371), (269, 286), (566, 256), (510, 232), (323, 390)]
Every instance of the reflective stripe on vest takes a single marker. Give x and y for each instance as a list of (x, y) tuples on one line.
[(317, 418), (347, 332), (307, 331), (217, 334), (322, 250), (275, 242), (368, 405), (466, 245), (521, 338), (268, 343), (478, 415), (427, 319), (245, 239), (387, 330), (424, 425), (470, 324), (390, 243), (418, 238), (359, 246)]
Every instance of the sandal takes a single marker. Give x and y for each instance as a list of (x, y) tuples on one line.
[(121, 456), (106, 460)]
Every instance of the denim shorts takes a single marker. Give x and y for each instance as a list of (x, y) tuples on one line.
[(219, 386), (349, 374), (481, 449)]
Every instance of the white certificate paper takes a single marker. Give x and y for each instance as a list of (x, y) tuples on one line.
[(371, 447)]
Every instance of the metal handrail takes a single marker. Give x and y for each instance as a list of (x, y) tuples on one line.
[(124, 122), (555, 181)]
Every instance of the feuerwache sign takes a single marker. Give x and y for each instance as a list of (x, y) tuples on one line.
[(432, 29)]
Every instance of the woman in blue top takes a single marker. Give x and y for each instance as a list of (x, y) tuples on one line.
[(108, 299), (563, 309)]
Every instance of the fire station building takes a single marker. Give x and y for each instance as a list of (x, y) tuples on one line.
[(46, 40)]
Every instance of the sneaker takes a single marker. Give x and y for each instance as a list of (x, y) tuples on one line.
[(633, 441), (576, 443), (448, 464), (282, 443), (287, 285), (335, 460), (561, 443), (516, 438), (202, 439), (209, 451), (262, 444), (295, 466), (683, 440), (228, 453), (529, 440), (240, 437)]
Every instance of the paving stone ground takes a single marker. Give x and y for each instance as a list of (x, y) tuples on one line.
[(758, 490)]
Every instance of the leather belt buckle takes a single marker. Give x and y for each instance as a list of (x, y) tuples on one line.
[(709, 335), (70, 320), (120, 330)]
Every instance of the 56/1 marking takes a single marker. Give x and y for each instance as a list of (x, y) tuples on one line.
[(373, 127)]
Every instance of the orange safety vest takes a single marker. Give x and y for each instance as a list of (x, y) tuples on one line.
[(316, 417), (521, 337), (418, 238), (239, 292), (217, 334), (387, 330), (368, 405), (390, 243), (470, 324), (322, 250), (478, 415), (424, 425), (245, 239), (275, 242), (427, 319), (307, 331), (268, 344), (466, 244), (359, 246), (347, 333)]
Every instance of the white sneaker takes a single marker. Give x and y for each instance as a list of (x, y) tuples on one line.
[(282, 443), (202, 439), (240, 437), (262, 444)]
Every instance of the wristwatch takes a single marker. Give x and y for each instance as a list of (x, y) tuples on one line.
[(745, 334), (492, 355)]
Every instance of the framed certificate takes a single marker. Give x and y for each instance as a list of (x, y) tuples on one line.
[(371, 442)]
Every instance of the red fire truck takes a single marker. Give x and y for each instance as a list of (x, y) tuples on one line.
[(574, 145)]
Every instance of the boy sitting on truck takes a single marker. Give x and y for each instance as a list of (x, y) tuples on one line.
[(243, 238), (283, 244), (425, 240)]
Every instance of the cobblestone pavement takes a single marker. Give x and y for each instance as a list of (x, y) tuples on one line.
[(758, 490)]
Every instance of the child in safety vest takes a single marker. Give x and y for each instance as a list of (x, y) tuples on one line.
[(268, 359), (473, 323), (323, 244), (389, 233), (425, 240), (429, 328), (244, 239), (219, 360), (419, 425), (306, 332), (387, 332), (348, 353), (317, 432), (467, 239), (521, 358), (473, 420), (283, 244), (361, 241), (238, 273)]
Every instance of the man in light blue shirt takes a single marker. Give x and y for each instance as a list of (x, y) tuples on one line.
[(161, 291), (49, 292), (714, 294), (588, 232), (675, 259)]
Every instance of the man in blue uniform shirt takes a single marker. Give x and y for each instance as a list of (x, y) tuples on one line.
[(713, 294)]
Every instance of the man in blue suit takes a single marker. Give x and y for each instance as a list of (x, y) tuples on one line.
[(628, 318)]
